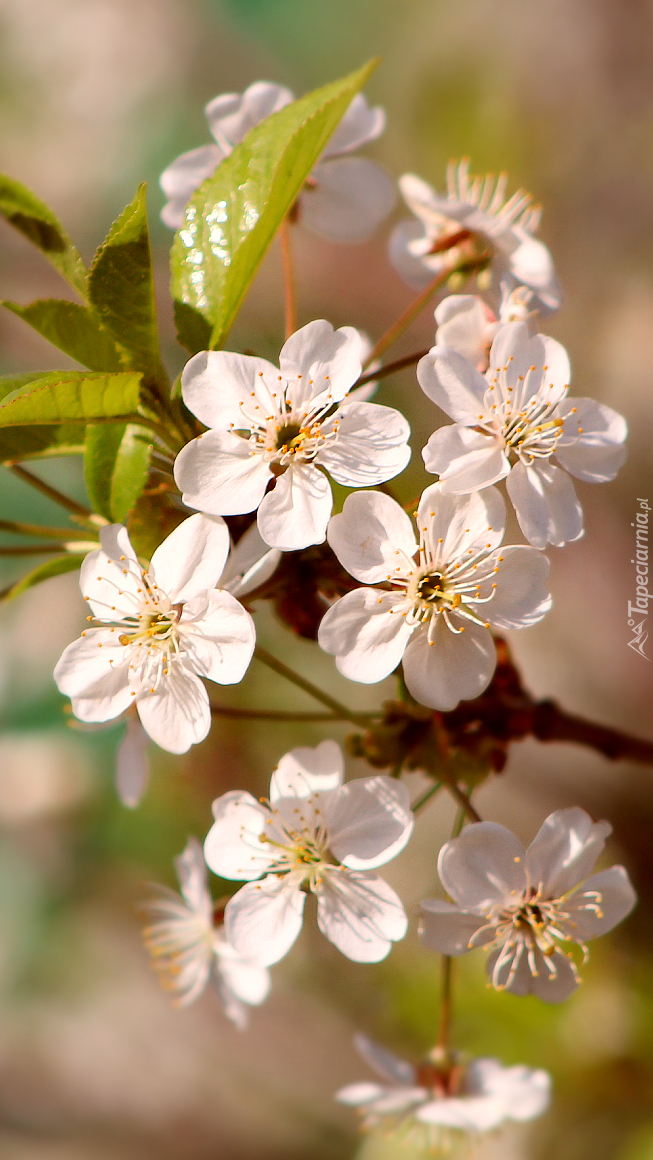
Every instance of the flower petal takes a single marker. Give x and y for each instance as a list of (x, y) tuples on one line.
[(524, 1092), (350, 199), (132, 767), (225, 389), (369, 822), (360, 914), (371, 444), (367, 634), (176, 714), (591, 446), (532, 265), (452, 666), (192, 557), (461, 525), (251, 562), (564, 850), (232, 115), (483, 867), (360, 124), (592, 916), (322, 359), (296, 513), (221, 642), (521, 597), (445, 928), (371, 535), (454, 385), (263, 919), (180, 180), (415, 271), (385, 1063), (305, 771), (463, 324), (93, 672), (111, 579), (218, 474), (545, 504), (466, 460), (232, 848)]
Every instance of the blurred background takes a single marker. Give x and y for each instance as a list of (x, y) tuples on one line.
[(95, 95)]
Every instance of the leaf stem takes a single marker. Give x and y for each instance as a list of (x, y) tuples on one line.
[(58, 497), (276, 714), (426, 797), (278, 666), (443, 1041), (33, 549), (289, 294), (42, 530), (461, 797), (390, 368)]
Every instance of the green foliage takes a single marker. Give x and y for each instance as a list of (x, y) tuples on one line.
[(68, 397), (121, 289), (116, 465), (72, 328), (23, 210), (150, 522), (52, 567), (235, 214)]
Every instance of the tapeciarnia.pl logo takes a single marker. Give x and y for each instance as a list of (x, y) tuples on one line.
[(642, 597)]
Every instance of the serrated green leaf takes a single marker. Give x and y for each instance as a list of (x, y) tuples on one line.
[(54, 567), (235, 214), (32, 218), (69, 397), (72, 328), (116, 465), (193, 330), (121, 288), (41, 442)]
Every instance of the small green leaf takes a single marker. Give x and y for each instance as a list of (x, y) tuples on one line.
[(26, 213), (235, 214), (40, 442), (193, 330), (74, 329), (54, 567), (121, 288), (69, 397), (116, 465)]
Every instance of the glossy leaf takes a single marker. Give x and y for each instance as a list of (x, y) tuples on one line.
[(41, 442), (72, 328), (32, 218), (193, 329), (121, 289), (116, 465), (69, 397), (53, 567), (235, 214)]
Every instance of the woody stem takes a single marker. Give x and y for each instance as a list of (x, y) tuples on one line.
[(278, 666)]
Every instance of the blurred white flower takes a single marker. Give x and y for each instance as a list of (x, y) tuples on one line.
[(344, 199), (316, 835), (286, 425), (467, 223), (526, 905), (511, 422), (186, 939), (467, 325), (424, 1104), (438, 599), (160, 631)]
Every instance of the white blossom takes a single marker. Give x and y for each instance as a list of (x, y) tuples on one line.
[(344, 198), (512, 423), (467, 325), (438, 598), (286, 425), (527, 906), (424, 1105), (186, 939), (159, 630), (314, 835), (468, 222)]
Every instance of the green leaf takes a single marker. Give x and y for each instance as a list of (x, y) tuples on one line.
[(68, 397), (116, 465), (235, 214), (40, 442), (193, 330), (74, 329), (53, 567), (152, 519), (26, 213), (121, 288)]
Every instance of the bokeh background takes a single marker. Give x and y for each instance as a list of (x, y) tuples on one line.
[(94, 1063)]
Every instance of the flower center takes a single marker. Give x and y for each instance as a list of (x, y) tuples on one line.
[(431, 587), (152, 628), (301, 851)]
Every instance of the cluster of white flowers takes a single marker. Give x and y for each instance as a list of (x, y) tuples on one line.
[(428, 599)]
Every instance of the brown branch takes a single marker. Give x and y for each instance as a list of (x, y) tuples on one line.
[(551, 723), (390, 368)]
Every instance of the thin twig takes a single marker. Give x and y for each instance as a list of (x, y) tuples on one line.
[(390, 368), (58, 497), (34, 549), (550, 723), (278, 667), (408, 315), (426, 797), (43, 530), (276, 714), (289, 298), (461, 797)]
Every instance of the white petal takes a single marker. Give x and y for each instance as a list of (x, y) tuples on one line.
[(250, 564), (221, 643), (469, 1113), (296, 513), (305, 771), (225, 389), (531, 264), (454, 385), (176, 714), (218, 474), (350, 199), (565, 850), (356, 1095), (416, 271), (92, 671), (231, 115), (191, 872), (371, 445), (461, 523), (192, 557), (616, 899), (545, 504), (248, 980), (360, 124), (591, 446), (185, 175), (445, 928), (551, 984), (132, 767), (263, 919), (524, 1092), (369, 821), (463, 323), (322, 359), (466, 460), (453, 667), (385, 1063), (483, 867), (111, 579), (521, 597), (371, 535), (367, 634), (360, 914), (232, 848)]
